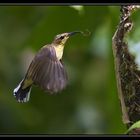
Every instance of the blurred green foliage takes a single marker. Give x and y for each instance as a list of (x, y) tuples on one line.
[(89, 104)]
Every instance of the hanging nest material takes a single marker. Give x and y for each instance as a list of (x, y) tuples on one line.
[(127, 73)]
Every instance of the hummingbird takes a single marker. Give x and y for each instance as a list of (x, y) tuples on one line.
[(46, 69)]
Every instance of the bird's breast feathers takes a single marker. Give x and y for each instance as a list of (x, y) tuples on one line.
[(59, 51)]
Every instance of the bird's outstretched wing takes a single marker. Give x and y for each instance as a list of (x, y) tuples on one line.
[(47, 71)]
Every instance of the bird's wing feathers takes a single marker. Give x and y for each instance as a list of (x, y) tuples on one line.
[(47, 71)]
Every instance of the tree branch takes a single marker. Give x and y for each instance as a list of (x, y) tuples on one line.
[(127, 74)]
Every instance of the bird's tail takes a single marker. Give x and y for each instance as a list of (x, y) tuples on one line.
[(22, 95)]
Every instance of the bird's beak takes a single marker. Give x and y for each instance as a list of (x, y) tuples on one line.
[(73, 33)]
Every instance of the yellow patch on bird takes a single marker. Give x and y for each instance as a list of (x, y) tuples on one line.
[(27, 83), (59, 51)]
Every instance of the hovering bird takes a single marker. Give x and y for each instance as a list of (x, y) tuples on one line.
[(46, 69)]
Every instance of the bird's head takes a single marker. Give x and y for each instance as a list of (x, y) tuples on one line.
[(61, 39)]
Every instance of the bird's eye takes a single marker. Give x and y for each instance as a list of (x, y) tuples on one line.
[(62, 37)]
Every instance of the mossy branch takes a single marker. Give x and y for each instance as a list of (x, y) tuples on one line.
[(127, 74)]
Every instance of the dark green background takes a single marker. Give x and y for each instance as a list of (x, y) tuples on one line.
[(89, 104)]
